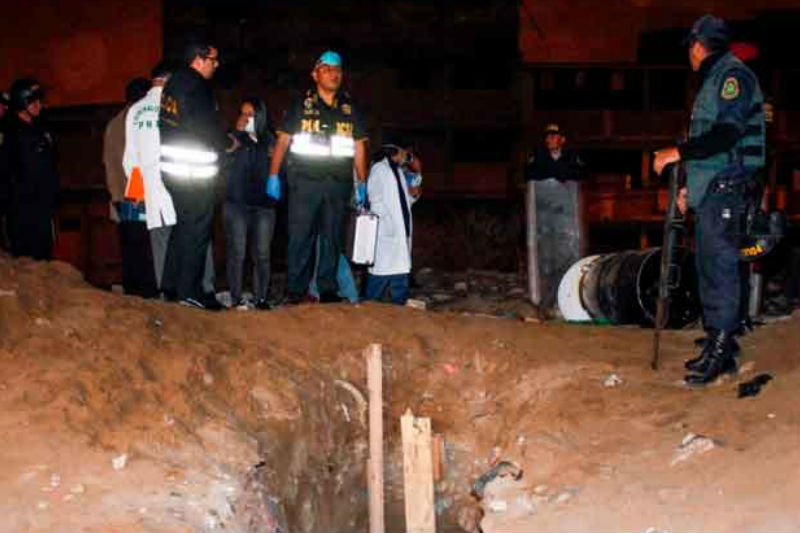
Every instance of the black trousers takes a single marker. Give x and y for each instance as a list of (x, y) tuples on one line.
[(720, 221), (188, 242), (30, 230), (138, 273), (316, 209)]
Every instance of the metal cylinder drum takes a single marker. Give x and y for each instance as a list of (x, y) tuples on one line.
[(622, 288)]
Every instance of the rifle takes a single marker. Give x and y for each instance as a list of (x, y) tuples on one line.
[(674, 233)]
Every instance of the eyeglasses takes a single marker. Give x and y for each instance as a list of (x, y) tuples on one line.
[(214, 60)]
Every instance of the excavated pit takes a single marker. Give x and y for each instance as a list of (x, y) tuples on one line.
[(257, 421)]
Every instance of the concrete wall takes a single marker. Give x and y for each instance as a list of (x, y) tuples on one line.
[(83, 51), (590, 31)]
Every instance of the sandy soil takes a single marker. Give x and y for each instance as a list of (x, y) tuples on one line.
[(254, 421)]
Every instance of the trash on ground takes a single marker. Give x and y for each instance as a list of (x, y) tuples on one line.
[(753, 387), (692, 445)]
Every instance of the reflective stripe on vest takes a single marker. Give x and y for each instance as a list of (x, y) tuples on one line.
[(188, 163), (306, 144)]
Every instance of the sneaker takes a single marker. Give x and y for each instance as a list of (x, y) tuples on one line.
[(211, 303), (241, 305), (264, 305), (191, 302)]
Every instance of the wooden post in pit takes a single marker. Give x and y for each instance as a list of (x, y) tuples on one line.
[(375, 463), (418, 473)]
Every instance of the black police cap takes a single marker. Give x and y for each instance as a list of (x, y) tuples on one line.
[(712, 32), (23, 92)]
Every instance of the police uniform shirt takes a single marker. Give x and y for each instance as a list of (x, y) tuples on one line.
[(736, 94), (323, 125), (34, 177)]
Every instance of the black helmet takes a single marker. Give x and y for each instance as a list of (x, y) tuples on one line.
[(23, 92)]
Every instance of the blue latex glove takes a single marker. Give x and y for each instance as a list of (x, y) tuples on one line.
[(361, 193), (274, 187)]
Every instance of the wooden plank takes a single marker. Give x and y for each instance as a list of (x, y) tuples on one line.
[(375, 463), (418, 473), (438, 454)]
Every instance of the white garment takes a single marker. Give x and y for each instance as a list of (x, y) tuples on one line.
[(393, 251), (142, 149)]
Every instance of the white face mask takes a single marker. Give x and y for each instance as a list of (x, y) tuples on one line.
[(250, 127)]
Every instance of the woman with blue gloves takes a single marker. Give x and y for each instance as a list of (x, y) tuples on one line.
[(251, 197)]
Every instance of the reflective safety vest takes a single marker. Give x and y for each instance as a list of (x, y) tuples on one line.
[(748, 152), (321, 145), (188, 163)]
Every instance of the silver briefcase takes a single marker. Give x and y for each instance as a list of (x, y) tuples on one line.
[(362, 238)]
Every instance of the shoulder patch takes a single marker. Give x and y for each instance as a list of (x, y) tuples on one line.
[(730, 88)]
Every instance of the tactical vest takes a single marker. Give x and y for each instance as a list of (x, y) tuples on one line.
[(747, 153)]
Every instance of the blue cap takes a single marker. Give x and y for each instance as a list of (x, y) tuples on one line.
[(711, 31), (329, 58)]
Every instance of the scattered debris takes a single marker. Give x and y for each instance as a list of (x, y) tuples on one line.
[(498, 506), (461, 286), (55, 480), (8, 293), (450, 368), (502, 469), (541, 490), (469, 517), (771, 416), (565, 496), (358, 397), (612, 381), (753, 387), (416, 304), (42, 505), (68, 497), (78, 489), (39, 321), (692, 445), (118, 463), (442, 505)]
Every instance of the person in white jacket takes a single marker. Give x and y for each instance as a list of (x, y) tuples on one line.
[(392, 187), (143, 150)]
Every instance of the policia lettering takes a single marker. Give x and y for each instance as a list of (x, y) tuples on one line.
[(325, 132)]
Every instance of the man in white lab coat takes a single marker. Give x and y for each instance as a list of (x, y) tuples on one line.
[(393, 186), (142, 149)]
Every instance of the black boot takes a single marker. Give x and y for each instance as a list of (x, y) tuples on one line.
[(746, 325), (719, 360), (697, 364)]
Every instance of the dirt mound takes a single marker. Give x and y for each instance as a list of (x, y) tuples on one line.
[(255, 421)]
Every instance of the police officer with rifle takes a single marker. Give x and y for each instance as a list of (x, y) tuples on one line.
[(722, 156)]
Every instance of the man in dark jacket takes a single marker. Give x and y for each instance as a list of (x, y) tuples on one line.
[(33, 176), (191, 140), (553, 160)]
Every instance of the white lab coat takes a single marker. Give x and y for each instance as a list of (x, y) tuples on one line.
[(143, 149), (393, 250)]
